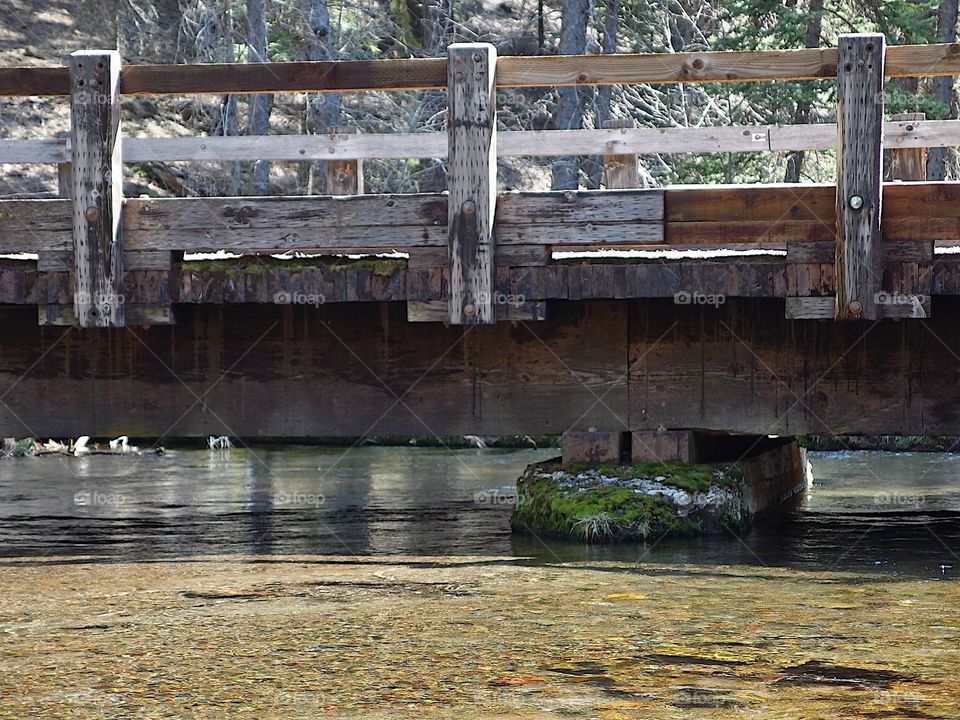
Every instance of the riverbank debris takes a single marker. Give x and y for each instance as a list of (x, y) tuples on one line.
[(32, 447), (221, 442)]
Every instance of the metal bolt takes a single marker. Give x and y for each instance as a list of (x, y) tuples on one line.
[(469, 309), (469, 207), (855, 308), (92, 213), (856, 202)]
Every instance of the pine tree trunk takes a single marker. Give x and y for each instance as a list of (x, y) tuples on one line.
[(259, 104), (569, 115), (230, 118), (604, 93), (323, 109), (796, 157), (943, 88)]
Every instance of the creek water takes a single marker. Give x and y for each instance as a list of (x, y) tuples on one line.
[(385, 581), (888, 512)]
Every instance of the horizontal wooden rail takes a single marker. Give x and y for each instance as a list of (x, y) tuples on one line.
[(726, 217), (512, 72), (542, 143)]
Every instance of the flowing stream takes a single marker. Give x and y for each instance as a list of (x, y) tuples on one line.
[(385, 582)]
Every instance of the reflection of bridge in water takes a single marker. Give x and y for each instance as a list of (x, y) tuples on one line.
[(481, 322)]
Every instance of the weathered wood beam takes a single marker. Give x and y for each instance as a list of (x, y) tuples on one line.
[(620, 169), (519, 71), (908, 163), (343, 176), (859, 174), (529, 143), (97, 171), (472, 180)]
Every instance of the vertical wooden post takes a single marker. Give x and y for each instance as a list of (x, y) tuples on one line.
[(472, 167), (343, 177), (97, 188), (909, 164), (859, 174), (620, 171)]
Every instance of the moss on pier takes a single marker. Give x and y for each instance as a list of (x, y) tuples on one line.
[(628, 503)]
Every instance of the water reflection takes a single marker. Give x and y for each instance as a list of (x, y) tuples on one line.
[(890, 513)]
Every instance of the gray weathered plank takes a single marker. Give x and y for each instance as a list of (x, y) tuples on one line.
[(859, 174), (620, 169), (97, 187), (472, 180)]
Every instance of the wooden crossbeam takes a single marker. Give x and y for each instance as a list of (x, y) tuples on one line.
[(518, 71)]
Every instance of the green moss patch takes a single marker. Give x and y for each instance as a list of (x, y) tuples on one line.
[(628, 503)]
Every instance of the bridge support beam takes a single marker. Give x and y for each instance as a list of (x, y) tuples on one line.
[(472, 168), (97, 172), (859, 175)]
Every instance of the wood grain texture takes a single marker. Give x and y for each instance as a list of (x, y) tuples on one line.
[(542, 71), (909, 163), (97, 194), (472, 180), (620, 170), (859, 174)]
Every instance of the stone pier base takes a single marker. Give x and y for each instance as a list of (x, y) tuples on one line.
[(732, 482)]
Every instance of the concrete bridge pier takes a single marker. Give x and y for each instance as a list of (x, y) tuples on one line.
[(618, 485)]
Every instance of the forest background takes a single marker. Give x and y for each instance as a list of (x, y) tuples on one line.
[(200, 31)]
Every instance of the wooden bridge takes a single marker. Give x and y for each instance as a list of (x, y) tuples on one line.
[(476, 310)]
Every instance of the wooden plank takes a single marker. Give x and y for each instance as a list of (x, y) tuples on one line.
[(321, 76), (810, 308), (859, 174), (436, 311), (97, 187), (825, 251), (472, 180), (135, 315), (523, 255), (519, 71), (292, 213), (909, 163), (581, 234), (586, 206), (529, 143), (620, 169), (557, 70), (783, 202), (343, 177)]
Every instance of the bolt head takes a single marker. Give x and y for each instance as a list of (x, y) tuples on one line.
[(469, 309), (92, 213), (856, 202), (855, 308)]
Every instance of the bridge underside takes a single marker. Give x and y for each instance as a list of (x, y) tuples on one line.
[(356, 369)]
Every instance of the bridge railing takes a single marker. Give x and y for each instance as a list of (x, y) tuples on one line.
[(97, 235)]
